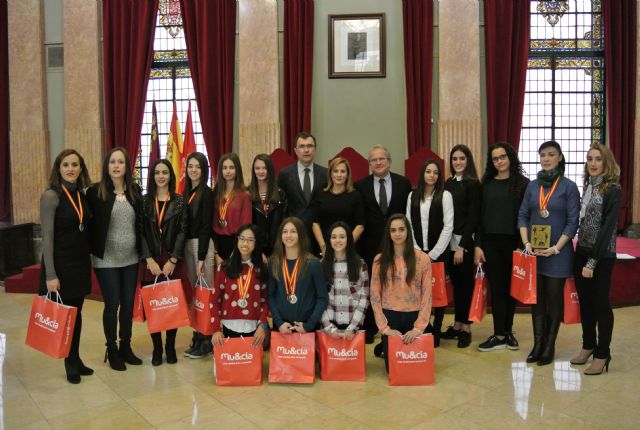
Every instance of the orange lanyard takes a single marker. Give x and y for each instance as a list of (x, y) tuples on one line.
[(290, 279), (543, 201), (78, 208), (243, 286), (223, 208), (161, 213), (193, 195)]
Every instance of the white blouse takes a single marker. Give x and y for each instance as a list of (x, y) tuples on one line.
[(447, 230)]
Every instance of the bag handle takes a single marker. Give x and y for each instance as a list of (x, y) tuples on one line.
[(155, 281), (479, 271), (201, 281), (58, 299)]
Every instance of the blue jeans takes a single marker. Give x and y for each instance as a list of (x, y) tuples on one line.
[(118, 285)]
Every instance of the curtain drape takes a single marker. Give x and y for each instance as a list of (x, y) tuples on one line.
[(298, 68), (128, 32), (210, 31), (5, 171), (506, 25), (620, 34), (417, 20)]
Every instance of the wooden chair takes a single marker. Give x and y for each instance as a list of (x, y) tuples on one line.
[(413, 164), (359, 164)]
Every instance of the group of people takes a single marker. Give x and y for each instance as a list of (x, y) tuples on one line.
[(314, 249)]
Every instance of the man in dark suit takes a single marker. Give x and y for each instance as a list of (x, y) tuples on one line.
[(301, 180), (384, 194)]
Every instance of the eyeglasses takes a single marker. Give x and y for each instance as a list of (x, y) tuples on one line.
[(307, 146), (499, 158), (378, 160), (249, 240)]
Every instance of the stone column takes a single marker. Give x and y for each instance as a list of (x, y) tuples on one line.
[(259, 119), (28, 106), (459, 84), (82, 82)]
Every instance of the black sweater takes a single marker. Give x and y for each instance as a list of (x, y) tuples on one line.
[(200, 216)]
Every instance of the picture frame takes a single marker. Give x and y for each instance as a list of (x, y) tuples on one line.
[(357, 46)]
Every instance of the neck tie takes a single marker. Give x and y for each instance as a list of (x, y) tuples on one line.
[(306, 186), (384, 205)]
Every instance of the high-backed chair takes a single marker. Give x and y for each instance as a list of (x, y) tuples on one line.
[(359, 164), (281, 159), (413, 164)]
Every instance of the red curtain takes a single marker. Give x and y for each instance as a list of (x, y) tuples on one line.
[(210, 30), (5, 172), (128, 32), (417, 20), (619, 18), (298, 68), (506, 25)]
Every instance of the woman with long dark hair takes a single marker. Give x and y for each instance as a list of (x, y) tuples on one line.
[(268, 201), (348, 282), (548, 221), (66, 265), (297, 286), (240, 293), (503, 187), (115, 235), (464, 187), (164, 235), (596, 256), (430, 212), (231, 205), (199, 251), (401, 285)]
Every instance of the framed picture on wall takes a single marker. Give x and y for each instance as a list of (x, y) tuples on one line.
[(357, 46)]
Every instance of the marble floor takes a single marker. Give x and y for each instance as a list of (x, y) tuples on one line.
[(473, 390)]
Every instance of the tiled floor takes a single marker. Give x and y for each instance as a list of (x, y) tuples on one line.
[(473, 390)]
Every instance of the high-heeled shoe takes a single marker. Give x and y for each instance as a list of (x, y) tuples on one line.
[(82, 369), (73, 376), (593, 370), (582, 357), (115, 360)]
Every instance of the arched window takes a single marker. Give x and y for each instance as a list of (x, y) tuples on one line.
[(564, 98)]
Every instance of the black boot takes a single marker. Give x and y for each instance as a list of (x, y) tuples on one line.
[(546, 357), (554, 310), (437, 326), (156, 357), (73, 375), (115, 360), (170, 347), (127, 354), (82, 369), (538, 334)]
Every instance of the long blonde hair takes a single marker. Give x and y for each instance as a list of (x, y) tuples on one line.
[(334, 163), (611, 171)]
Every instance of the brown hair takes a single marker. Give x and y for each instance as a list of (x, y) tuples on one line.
[(106, 184), (54, 177), (387, 252), (334, 163), (275, 262)]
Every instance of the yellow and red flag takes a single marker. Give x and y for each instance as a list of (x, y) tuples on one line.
[(189, 146), (174, 147), (154, 147)]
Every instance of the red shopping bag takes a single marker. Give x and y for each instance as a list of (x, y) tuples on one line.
[(411, 364), (479, 300), (523, 277), (292, 358), (51, 326), (448, 285), (165, 306), (238, 363), (341, 359), (439, 298), (202, 308), (571, 303), (138, 307)]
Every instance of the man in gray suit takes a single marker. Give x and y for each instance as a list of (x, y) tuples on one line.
[(301, 180)]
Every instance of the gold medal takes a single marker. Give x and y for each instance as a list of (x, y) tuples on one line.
[(243, 288), (290, 280), (543, 200)]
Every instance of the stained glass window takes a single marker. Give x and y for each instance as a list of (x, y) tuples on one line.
[(170, 80), (564, 98)]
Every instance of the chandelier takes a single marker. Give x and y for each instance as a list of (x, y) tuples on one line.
[(553, 10)]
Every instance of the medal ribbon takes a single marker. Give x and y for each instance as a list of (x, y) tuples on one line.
[(161, 214), (243, 287), (290, 279), (543, 201), (223, 208), (265, 206), (193, 196), (78, 208)]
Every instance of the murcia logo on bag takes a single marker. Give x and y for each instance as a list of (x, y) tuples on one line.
[(246, 356), (574, 297), (164, 302), (519, 272), (342, 354), (412, 356), (292, 352), (46, 322), (198, 304)]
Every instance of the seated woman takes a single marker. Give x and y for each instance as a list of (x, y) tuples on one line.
[(400, 285), (240, 292), (297, 286), (348, 284)]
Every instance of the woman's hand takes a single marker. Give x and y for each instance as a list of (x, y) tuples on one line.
[(528, 248), (410, 336), (200, 268), (545, 252), (53, 286), (392, 332), (219, 260), (478, 255), (217, 338), (153, 267), (258, 336), (458, 256), (286, 328), (335, 334), (168, 268), (299, 327), (348, 334), (586, 272)]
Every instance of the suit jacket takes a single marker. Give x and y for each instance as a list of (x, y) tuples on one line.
[(289, 182), (375, 220)]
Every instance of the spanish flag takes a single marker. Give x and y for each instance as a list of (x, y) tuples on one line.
[(174, 146)]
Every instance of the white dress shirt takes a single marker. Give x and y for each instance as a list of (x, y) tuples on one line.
[(301, 168), (387, 187), (447, 229)]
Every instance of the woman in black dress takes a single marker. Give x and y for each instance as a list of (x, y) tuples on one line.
[(66, 265), (163, 239)]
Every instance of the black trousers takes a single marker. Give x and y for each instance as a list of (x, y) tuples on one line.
[(227, 332), (498, 252), (118, 285), (74, 351), (462, 277), (595, 307), (401, 321)]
